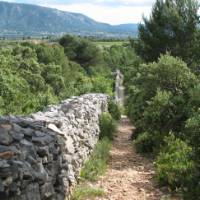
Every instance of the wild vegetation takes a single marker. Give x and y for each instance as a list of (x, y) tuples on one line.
[(163, 87), (162, 80), (84, 192), (33, 76)]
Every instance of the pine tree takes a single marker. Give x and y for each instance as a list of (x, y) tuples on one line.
[(171, 27)]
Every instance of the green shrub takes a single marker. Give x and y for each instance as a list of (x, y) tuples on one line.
[(148, 142), (114, 110), (158, 95), (144, 143), (174, 164), (192, 187), (135, 134), (97, 163), (107, 126), (35, 75), (81, 50), (102, 84), (193, 132), (83, 192)]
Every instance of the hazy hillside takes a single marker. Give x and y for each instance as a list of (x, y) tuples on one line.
[(25, 19)]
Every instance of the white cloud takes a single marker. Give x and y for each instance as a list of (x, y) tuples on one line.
[(135, 2), (107, 14)]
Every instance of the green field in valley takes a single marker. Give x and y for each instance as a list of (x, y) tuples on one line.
[(109, 43)]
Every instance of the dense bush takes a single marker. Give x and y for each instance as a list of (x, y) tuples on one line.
[(102, 84), (191, 190), (164, 97), (35, 75), (123, 58), (114, 110), (159, 96), (81, 50), (120, 57), (174, 164), (23, 89), (148, 142), (144, 143), (107, 126), (193, 133)]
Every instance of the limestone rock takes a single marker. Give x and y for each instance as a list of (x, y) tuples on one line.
[(69, 145), (41, 155), (33, 192), (5, 137), (47, 190), (55, 129)]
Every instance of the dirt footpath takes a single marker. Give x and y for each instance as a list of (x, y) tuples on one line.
[(129, 175)]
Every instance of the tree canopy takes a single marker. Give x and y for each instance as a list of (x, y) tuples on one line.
[(35, 75), (172, 27)]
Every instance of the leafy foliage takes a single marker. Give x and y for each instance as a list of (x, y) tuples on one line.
[(193, 132), (164, 93), (33, 76), (174, 165), (123, 58), (163, 98), (171, 24), (114, 110), (102, 84), (107, 126), (148, 142), (81, 50), (160, 95)]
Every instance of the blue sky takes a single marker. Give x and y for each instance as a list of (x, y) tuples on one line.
[(109, 11)]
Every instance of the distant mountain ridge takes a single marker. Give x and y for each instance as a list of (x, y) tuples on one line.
[(26, 19)]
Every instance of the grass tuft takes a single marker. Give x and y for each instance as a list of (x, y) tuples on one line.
[(97, 163), (82, 192)]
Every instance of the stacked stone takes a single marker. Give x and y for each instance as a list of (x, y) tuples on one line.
[(119, 88), (41, 155)]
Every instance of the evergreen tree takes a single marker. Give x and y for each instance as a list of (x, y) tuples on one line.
[(171, 27)]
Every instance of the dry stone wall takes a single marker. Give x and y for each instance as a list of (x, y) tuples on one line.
[(41, 155), (119, 88)]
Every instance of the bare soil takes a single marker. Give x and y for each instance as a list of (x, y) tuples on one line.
[(130, 176)]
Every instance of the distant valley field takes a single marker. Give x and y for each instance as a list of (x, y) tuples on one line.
[(110, 43)]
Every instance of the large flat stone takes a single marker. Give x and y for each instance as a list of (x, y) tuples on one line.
[(5, 137)]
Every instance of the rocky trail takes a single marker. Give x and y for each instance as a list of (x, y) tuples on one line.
[(129, 176)]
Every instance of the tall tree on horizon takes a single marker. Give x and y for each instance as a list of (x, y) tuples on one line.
[(172, 27)]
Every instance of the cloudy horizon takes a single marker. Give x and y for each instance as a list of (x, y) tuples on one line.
[(108, 11)]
